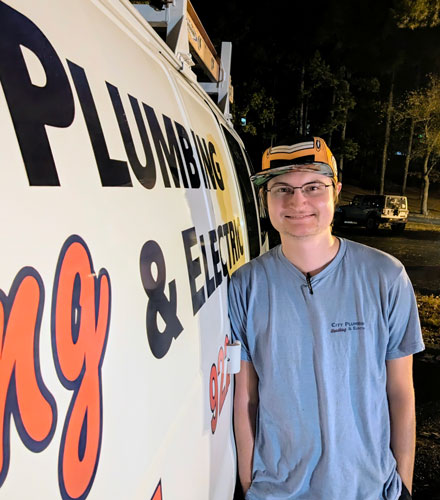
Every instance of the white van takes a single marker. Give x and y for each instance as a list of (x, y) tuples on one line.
[(125, 207)]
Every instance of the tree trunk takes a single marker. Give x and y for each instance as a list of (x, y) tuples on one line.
[(343, 134), (332, 114), (408, 156), (387, 135), (425, 184), (306, 117)]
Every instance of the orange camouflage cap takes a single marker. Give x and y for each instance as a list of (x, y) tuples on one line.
[(311, 154)]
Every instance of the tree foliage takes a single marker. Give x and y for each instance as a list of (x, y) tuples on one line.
[(258, 111), (292, 74), (415, 14), (423, 107)]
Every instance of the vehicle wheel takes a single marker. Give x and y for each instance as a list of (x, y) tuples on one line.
[(372, 225), (398, 228)]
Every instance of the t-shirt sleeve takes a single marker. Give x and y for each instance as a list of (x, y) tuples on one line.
[(403, 320), (238, 315)]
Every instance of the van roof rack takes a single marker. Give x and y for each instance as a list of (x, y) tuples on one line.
[(177, 22)]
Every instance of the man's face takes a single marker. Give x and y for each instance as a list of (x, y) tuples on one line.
[(297, 215)]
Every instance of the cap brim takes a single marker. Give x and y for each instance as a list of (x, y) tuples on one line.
[(318, 168)]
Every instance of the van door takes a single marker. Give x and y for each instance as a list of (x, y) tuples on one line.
[(220, 242)]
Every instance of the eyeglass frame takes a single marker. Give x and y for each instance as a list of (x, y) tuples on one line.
[(299, 187)]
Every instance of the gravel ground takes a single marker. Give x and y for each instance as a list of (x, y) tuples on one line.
[(427, 466)]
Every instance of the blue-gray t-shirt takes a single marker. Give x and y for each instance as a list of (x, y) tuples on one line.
[(323, 428)]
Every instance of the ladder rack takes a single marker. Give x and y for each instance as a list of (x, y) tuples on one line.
[(187, 38)]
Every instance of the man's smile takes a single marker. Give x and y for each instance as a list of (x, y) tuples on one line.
[(298, 216)]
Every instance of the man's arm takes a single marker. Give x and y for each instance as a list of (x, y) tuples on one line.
[(400, 391), (245, 414)]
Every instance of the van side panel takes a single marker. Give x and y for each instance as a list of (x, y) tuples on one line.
[(122, 223)]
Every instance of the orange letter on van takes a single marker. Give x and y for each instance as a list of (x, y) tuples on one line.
[(80, 322), (22, 391)]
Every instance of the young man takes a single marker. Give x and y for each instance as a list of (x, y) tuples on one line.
[(324, 401)]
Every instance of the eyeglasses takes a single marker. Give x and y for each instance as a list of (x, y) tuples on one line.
[(308, 190)]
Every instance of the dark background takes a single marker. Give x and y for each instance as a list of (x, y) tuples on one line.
[(323, 67)]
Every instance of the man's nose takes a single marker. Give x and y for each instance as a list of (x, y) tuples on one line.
[(297, 197)]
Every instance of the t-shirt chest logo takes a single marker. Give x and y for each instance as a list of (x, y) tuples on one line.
[(346, 326)]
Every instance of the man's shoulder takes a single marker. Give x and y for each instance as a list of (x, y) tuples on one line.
[(257, 266), (373, 258)]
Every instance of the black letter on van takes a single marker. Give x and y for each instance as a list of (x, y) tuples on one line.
[(215, 257), (158, 303), (194, 269), (112, 172), (161, 147), (206, 160), (223, 262), (216, 165), (32, 107), (202, 168), (209, 280), (146, 174), (193, 173)]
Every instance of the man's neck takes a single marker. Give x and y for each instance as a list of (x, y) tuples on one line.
[(310, 254)]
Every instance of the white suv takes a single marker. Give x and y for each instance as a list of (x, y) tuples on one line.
[(372, 210)]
